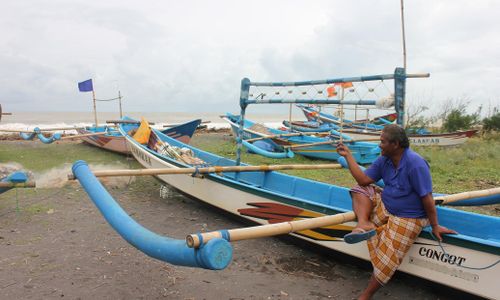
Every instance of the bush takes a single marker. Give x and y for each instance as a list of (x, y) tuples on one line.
[(492, 123), (457, 120)]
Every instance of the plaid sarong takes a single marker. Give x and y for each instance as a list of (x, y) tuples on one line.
[(394, 237)]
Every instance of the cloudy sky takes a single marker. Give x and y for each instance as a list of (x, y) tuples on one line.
[(182, 56)]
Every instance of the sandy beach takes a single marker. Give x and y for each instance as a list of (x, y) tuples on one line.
[(54, 243)]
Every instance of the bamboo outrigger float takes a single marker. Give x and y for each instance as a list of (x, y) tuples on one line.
[(468, 261)]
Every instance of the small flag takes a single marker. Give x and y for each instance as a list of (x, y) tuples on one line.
[(331, 91), (85, 86), (345, 85)]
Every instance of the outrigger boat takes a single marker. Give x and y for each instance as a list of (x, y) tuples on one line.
[(468, 261), (109, 138), (370, 132), (306, 145)]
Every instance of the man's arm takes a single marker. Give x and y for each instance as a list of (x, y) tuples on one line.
[(355, 170), (430, 210)]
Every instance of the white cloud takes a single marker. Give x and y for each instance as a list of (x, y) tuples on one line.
[(191, 55)]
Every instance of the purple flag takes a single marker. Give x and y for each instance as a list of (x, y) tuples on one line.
[(85, 86)]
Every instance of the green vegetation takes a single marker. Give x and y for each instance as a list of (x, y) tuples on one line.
[(38, 157), (492, 123), (457, 119), (453, 117)]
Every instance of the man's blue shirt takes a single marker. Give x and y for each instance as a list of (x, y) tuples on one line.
[(404, 186)]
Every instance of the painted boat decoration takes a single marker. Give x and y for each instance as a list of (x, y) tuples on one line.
[(468, 261), (323, 148), (112, 140)]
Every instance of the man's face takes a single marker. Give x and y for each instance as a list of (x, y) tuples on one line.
[(388, 148)]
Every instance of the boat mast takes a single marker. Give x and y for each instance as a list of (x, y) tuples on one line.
[(95, 109), (403, 32), (402, 106), (120, 103)]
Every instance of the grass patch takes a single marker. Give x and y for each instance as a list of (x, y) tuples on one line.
[(40, 157)]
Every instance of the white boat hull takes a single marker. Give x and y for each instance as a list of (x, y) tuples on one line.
[(445, 139)]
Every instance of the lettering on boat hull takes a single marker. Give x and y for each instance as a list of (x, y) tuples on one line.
[(454, 272), (143, 157), (441, 256), (425, 141)]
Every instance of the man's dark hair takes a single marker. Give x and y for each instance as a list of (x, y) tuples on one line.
[(396, 133)]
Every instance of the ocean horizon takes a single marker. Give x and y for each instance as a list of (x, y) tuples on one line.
[(29, 120)]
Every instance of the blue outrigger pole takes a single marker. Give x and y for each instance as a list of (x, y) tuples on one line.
[(399, 77), (213, 256)]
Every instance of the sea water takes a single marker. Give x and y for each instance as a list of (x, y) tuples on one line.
[(29, 120)]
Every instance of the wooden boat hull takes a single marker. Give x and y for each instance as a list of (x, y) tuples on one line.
[(114, 141), (111, 142), (275, 197)]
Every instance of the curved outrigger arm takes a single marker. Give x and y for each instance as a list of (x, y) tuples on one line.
[(27, 136), (47, 140), (16, 179), (38, 133), (215, 255)]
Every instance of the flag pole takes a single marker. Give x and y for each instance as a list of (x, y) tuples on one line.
[(95, 110), (120, 103)]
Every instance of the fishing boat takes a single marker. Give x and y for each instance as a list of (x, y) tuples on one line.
[(361, 132), (109, 138), (312, 114), (468, 261), (306, 145), (432, 139), (309, 126)]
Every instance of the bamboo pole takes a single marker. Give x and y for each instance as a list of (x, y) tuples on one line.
[(215, 169), (127, 122), (120, 103), (310, 144), (193, 240), (333, 142), (268, 230), (41, 130), (69, 137), (27, 184), (442, 200), (286, 135), (95, 109)]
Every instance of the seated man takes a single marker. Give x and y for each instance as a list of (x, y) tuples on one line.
[(391, 220)]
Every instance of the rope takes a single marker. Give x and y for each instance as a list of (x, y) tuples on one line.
[(465, 267), (103, 100)]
